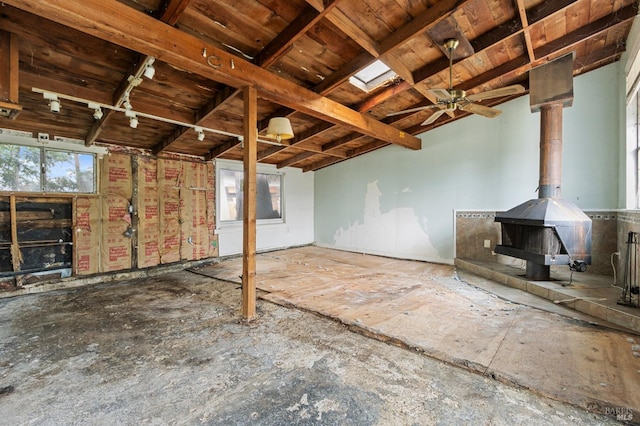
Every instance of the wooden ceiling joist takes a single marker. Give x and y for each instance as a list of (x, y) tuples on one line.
[(139, 32), (206, 51)]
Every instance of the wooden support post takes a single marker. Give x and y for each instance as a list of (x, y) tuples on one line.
[(74, 234), (249, 203), (9, 62), (16, 257)]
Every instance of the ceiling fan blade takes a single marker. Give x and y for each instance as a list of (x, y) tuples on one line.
[(433, 117), (481, 110), (497, 93), (441, 94), (406, 111)]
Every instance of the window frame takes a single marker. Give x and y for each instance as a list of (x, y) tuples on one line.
[(375, 82), (237, 166), (43, 148)]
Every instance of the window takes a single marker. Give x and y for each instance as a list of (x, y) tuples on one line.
[(61, 171), (372, 76), (269, 200)]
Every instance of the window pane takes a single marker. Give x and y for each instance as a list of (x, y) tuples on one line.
[(268, 195), (68, 172), (373, 71), (20, 169)]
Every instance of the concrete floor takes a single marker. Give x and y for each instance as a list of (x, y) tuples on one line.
[(171, 350)]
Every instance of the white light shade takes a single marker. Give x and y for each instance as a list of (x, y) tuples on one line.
[(279, 128), (133, 122)]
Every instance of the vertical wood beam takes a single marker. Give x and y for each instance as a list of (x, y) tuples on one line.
[(9, 72), (74, 233), (250, 156), (16, 257), (135, 224)]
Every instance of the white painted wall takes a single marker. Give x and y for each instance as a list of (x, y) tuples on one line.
[(397, 202), (297, 228)]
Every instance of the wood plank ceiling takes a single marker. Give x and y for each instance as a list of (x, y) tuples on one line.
[(299, 54)]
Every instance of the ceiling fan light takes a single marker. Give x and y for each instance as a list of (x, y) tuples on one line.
[(279, 128)]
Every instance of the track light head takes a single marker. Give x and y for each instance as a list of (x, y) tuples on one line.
[(133, 120), (54, 106), (127, 104), (54, 103), (97, 111), (149, 70), (200, 133), (97, 114)]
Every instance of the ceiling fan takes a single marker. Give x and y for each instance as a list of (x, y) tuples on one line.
[(449, 99)]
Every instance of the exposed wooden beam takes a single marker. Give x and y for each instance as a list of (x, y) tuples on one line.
[(380, 97), (337, 78), (607, 53), (168, 140), (419, 24), (137, 31), (171, 10), (295, 159), (250, 123), (525, 26), (347, 26), (221, 98), (547, 8), (371, 146), (98, 127), (340, 141), (619, 16), (9, 73), (299, 138), (327, 161), (222, 148), (285, 39), (427, 19), (508, 29)]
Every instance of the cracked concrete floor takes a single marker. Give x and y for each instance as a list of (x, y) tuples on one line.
[(171, 350)]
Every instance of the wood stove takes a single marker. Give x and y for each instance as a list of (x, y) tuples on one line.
[(548, 230)]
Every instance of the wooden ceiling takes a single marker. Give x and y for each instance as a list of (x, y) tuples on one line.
[(299, 54)]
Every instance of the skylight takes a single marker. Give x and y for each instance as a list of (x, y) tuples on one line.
[(372, 76)]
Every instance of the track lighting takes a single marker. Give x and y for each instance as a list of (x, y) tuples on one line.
[(54, 106), (149, 70), (54, 103), (127, 104), (97, 111), (133, 120), (281, 132), (200, 133)]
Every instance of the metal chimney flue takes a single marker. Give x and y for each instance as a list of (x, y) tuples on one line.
[(548, 230), (550, 151)]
